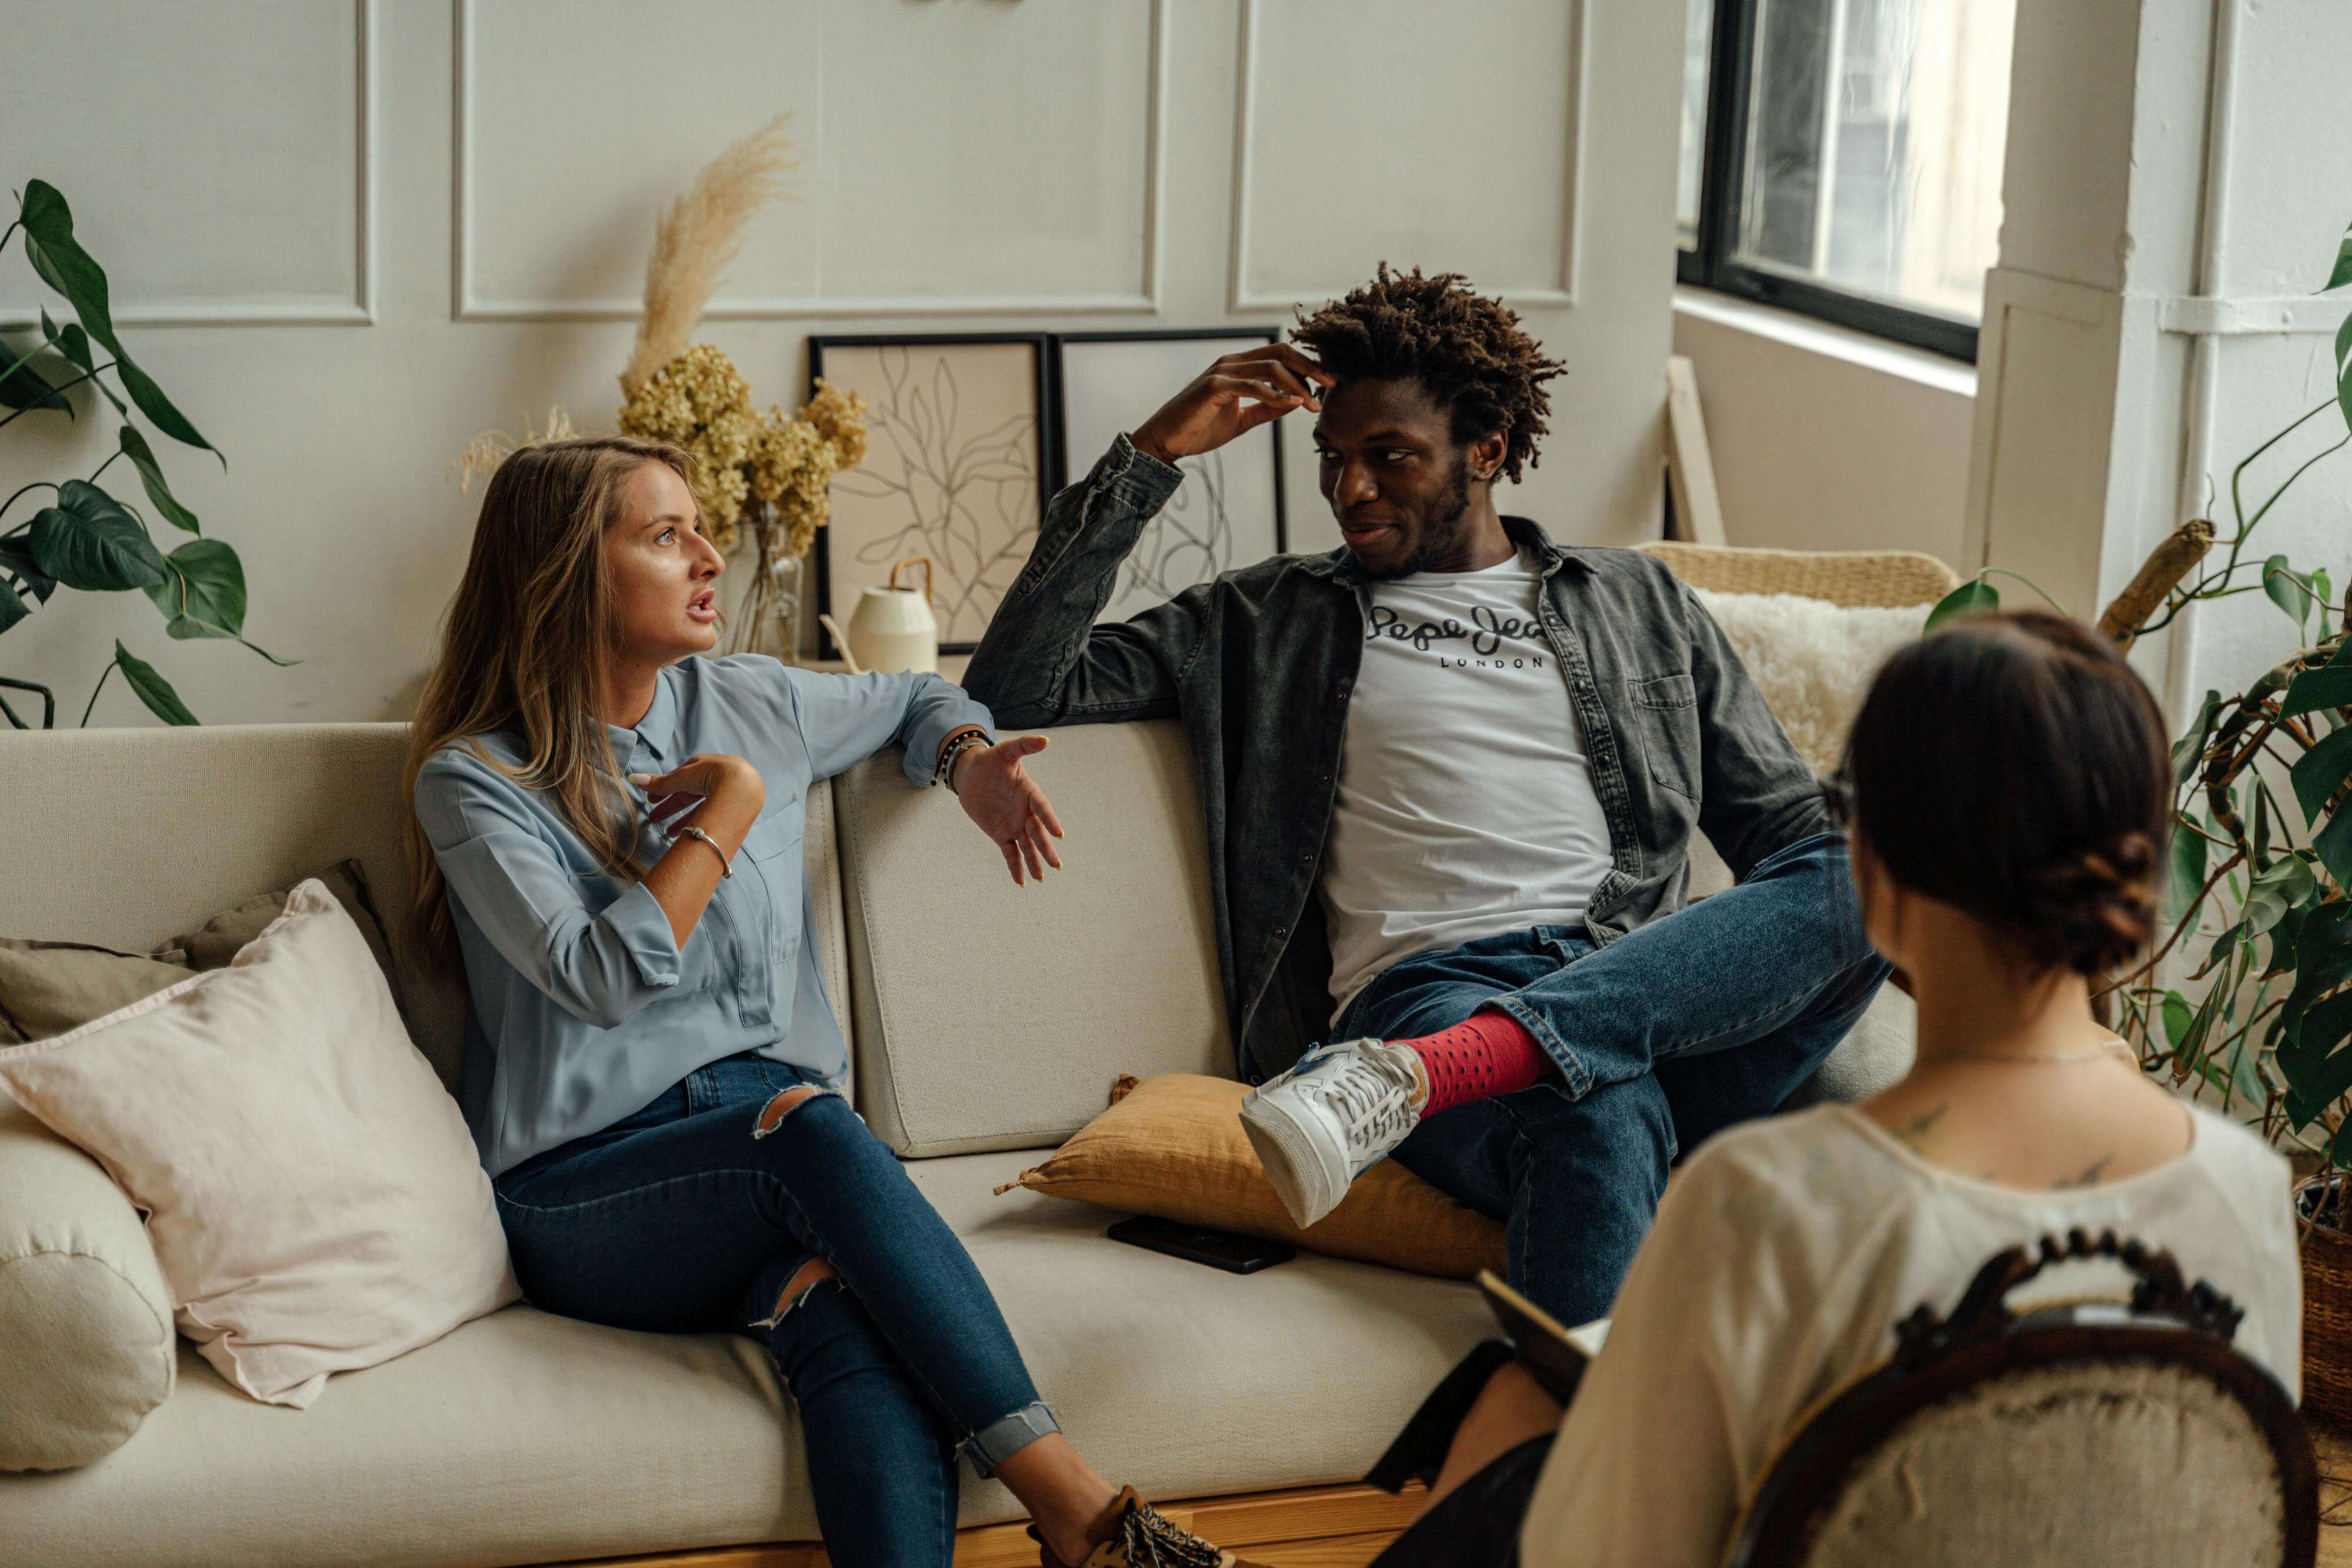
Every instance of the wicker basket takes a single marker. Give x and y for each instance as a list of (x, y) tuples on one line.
[(2327, 1310), (1850, 578)]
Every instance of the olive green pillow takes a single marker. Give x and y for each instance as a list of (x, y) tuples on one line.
[(50, 988)]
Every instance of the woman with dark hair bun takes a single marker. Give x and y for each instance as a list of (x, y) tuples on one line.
[(2008, 796)]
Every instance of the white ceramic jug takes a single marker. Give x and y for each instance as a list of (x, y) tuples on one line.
[(892, 628)]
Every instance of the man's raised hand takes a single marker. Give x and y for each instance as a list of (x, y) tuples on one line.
[(1234, 396)]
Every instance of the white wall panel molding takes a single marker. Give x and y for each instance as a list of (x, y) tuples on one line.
[(474, 300), (261, 309), (1501, 198), (2286, 315)]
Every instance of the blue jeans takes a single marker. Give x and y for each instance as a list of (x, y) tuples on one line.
[(1698, 1019), (689, 1217)]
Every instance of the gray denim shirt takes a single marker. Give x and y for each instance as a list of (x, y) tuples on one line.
[(1259, 664)]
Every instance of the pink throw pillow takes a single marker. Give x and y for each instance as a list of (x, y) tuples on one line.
[(314, 1197)]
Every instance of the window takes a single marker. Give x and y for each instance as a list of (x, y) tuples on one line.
[(1843, 158)]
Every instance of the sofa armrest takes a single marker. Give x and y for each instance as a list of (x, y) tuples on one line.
[(87, 1346)]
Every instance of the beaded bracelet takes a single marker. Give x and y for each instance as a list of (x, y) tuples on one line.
[(970, 740)]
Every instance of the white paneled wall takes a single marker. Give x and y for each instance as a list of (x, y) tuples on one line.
[(347, 234)]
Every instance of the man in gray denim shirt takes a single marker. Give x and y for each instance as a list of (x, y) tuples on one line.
[(1463, 882)]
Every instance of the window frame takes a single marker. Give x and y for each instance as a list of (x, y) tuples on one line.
[(1723, 174)]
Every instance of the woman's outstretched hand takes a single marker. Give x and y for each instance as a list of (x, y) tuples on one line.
[(997, 793)]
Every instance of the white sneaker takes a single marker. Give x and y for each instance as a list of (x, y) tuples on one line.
[(1327, 1120)]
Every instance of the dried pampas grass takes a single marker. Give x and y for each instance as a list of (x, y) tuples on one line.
[(491, 447), (699, 236)]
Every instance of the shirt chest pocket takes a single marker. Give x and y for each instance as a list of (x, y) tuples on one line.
[(1665, 717), (771, 857)]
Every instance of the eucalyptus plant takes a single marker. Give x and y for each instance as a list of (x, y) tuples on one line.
[(88, 537), (2257, 909)]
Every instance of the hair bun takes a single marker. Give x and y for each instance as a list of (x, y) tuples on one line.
[(2095, 909)]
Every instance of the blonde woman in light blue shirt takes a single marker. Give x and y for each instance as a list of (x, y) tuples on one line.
[(608, 837)]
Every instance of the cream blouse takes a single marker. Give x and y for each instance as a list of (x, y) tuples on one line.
[(1783, 1257)]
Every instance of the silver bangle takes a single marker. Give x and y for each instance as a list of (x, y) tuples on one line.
[(689, 830)]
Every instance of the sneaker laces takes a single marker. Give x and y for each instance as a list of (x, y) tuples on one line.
[(1374, 1101), (1150, 1540)]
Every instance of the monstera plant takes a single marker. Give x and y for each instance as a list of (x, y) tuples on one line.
[(74, 532), (2257, 936)]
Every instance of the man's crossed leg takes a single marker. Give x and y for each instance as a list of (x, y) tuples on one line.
[(1694, 1021)]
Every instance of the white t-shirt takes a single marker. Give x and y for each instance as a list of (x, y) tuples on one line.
[(1466, 806), (1783, 1255)]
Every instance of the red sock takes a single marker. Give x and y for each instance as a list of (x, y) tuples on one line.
[(1486, 1053)]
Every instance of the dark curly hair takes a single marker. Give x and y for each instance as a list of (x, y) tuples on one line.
[(1467, 352), (2014, 766)]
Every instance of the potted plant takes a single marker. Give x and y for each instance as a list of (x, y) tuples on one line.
[(88, 537), (2258, 924)]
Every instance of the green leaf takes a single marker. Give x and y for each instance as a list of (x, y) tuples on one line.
[(2323, 961), (2341, 274), (2333, 845), (2188, 868), (12, 609), (2261, 834), (88, 542), (2317, 1073), (2318, 773), (204, 584), (2280, 584), (62, 264), (74, 344), (1965, 599), (17, 559), (2344, 370), (203, 595), (142, 458), (157, 407), (24, 386), (153, 688), (2284, 937), (2324, 588), (2177, 1016), (2191, 744), (2329, 686)]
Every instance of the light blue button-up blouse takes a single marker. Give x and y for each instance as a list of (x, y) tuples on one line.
[(584, 1005)]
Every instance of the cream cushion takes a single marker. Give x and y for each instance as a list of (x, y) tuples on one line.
[(524, 1438), (1813, 661), (995, 1017), (313, 1196), (85, 1340)]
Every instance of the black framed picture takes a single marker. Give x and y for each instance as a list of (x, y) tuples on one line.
[(958, 462), (1228, 513)]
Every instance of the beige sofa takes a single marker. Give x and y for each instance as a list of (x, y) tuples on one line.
[(987, 1024)]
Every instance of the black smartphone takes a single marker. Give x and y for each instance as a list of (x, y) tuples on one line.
[(1199, 1244)]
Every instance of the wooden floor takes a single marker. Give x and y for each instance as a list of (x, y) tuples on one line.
[(2334, 1446), (1317, 1527)]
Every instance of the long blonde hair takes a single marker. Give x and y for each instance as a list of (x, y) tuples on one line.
[(525, 648)]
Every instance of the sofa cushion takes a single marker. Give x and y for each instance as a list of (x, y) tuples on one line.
[(86, 1340), (313, 1194), (524, 1438), (1173, 1146), (995, 1017), (49, 988)]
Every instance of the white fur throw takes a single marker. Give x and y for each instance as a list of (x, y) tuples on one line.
[(1811, 660)]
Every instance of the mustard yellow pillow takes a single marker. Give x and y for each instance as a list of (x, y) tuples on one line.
[(1172, 1146)]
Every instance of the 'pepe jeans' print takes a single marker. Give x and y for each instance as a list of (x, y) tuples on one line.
[(1489, 629)]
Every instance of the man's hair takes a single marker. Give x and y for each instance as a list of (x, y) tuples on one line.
[(1466, 351)]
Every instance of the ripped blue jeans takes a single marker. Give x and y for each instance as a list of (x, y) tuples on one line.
[(696, 1212)]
